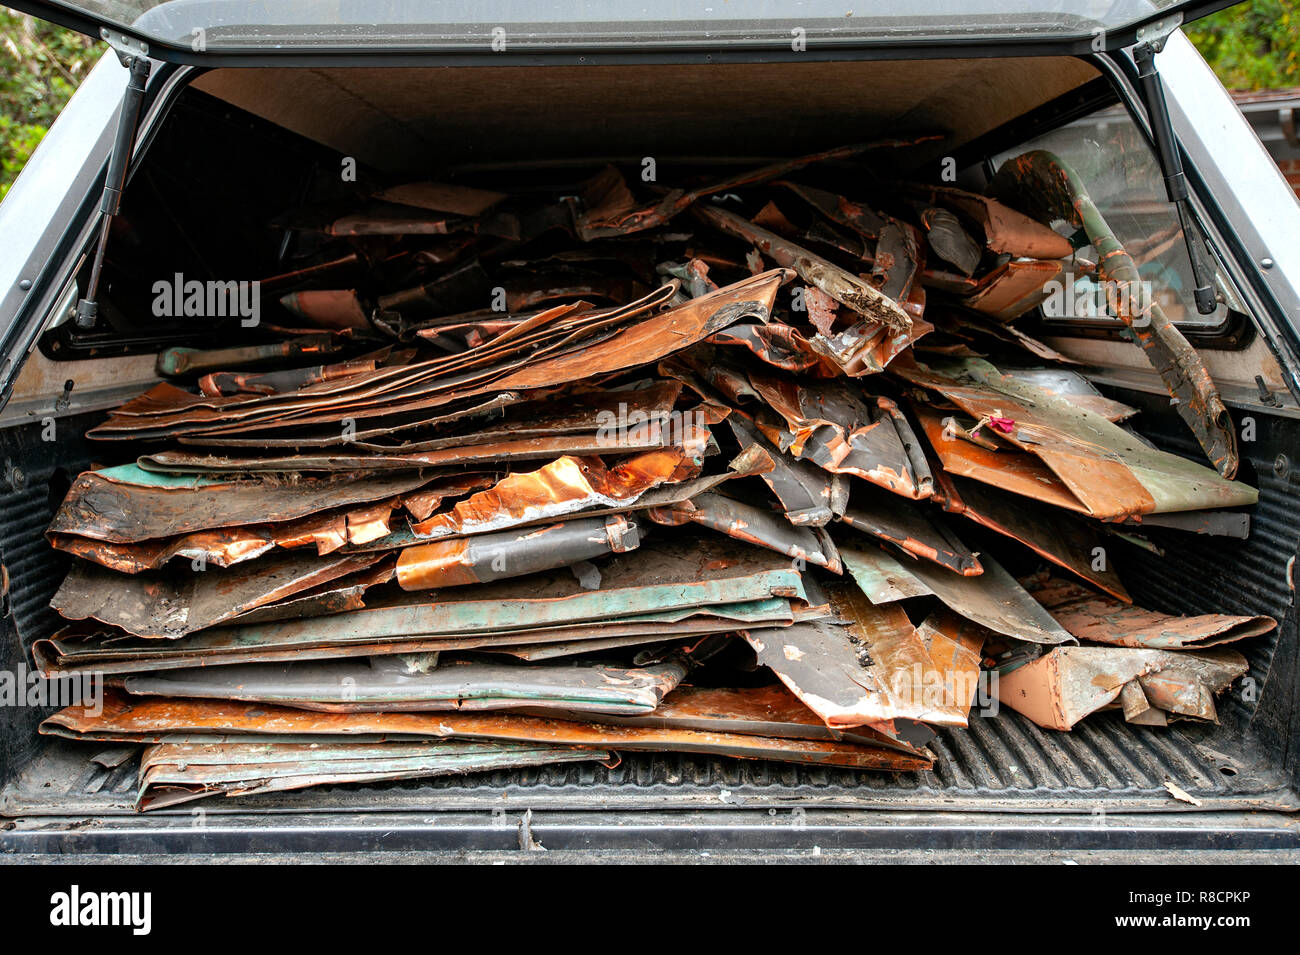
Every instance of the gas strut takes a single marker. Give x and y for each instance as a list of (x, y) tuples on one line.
[(134, 56), (1171, 165)]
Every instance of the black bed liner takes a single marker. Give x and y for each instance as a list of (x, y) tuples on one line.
[(1103, 784)]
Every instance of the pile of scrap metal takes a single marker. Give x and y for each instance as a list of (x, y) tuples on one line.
[(594, 471)]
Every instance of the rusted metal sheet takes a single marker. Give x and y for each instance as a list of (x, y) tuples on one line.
[(771, 711), (477, 560), (128, 504), (170, 605), (870, 668), (874, 307), (954, 645), (327, 532), (1006, 467), (1095, 618), (79, 649), (175, 773), (805, 491), (1067, 684), (599, 343), (385, 686), (915, 529), (1044, 185), (676, 578), (857, 216), (1109, 473), (756, 526), (993, 600), (1076, 389), (897, 260), (130, 719), (651, 435), (566, 486), (1214, 523), (1014, 288), (1006, 231), (785, 348), (835, 429), (1063, 539)]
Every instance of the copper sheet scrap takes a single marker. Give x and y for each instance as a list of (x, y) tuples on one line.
[(1095, 618), (162, 605), (123, 718), (565, 486), (1109, 471), (873, 667), (1059, 689), (754, 525), (993, 600)]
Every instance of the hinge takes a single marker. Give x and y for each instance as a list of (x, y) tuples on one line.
[(1155, 34)]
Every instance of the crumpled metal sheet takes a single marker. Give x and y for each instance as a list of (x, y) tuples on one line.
[(954, 644), (785, 347), (1064, 539), (385, 686), (805, 491), (1095, 618), (326, 532), (771, 711), (834, 428), (565, 486), (1014, 288), (857, 216), (1109, 473), (874, 307), (175, 773), (916, 529), (746, 464), (754, 525), (127, 504), (593, 344), (1067, 684), (477, 560), (125, 718), (871, 668), (1044, 185), (1006, 231), (166, 605), (993, 600)]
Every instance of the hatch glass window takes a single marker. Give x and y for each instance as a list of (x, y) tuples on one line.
[(1122, 176)]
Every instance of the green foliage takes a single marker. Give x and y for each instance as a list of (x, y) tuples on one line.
[(1252, 45), (40, 67)]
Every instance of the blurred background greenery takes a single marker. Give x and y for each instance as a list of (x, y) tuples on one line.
[(1254, 45)]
